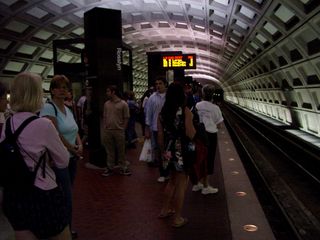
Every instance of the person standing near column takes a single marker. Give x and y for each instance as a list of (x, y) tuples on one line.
[(210, 115), (115, 121), (153, 108), (63, 119)]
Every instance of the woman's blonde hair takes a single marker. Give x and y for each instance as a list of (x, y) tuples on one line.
[(26, 94)]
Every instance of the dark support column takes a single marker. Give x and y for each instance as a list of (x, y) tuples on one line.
[(103, 46), (127, 75)]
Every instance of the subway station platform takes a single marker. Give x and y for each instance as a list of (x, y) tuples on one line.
[(126, 207)]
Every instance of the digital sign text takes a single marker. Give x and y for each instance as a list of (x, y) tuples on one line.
[(184, 61)]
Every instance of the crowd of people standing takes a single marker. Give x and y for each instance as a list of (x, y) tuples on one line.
[(167, 116)]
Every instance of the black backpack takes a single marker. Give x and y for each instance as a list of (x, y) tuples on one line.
[(14, 172)]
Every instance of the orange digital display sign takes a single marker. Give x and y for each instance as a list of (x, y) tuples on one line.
[(183, 61)]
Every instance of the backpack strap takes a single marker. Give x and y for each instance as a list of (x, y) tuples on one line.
[(54, 107), (14, 136), (42, 160)]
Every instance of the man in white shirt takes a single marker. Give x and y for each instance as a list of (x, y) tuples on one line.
[(152, 110), (210, 115)]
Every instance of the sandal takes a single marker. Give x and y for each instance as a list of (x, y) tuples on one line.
[(167, 215), (180, 224)]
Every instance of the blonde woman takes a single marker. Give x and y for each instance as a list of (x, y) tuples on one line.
[(39, 212)]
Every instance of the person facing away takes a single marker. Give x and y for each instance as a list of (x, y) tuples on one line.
[(210, 115), (143, 103), (175, 132), (131, 134), (115, 121), (63, 119), (39, 212), (152, 110), (188, 90)]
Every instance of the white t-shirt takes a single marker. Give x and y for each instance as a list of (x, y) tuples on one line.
[(81, 101), (209, 114), (144, 102), (80, 104)]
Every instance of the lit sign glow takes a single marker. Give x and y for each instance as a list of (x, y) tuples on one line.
[(184, 61)]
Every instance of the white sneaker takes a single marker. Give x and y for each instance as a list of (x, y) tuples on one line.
[(197, 187), (209, 190), (161, 179)]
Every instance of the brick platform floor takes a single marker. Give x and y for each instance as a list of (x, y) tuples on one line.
[(126, 207)]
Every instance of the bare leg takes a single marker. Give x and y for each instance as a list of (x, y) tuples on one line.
[(181, 186), (169, 194), (205, 181)]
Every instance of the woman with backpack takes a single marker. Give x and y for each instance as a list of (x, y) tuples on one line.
[(37, 212), (175, 132)]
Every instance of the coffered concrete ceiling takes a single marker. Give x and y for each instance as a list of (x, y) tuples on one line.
[(225, 34), (264, 54), (214, 30)]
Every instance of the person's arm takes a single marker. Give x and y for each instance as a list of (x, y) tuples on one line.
[(78, 147), (70, 147), (220, 118), (190, 130), (56, 148), (148, 119), (104, 115), (160, 136), (125, 123)]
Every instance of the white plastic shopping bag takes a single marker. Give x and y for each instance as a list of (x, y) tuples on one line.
[(145, 154)]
